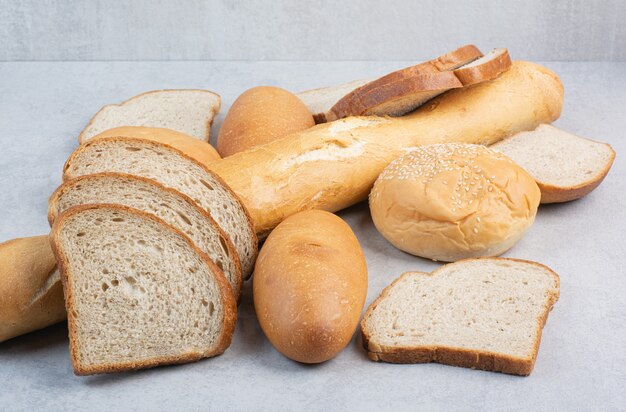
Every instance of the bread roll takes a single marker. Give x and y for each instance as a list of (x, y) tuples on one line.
[(261, 115), (310, 283), (197, 149), (454, 201), (31, 295), (334, 165)]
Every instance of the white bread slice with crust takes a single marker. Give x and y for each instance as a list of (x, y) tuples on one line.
[(397, 94), (485, 313), (320, 100), (565, 166), (171, 168), (173, 207), (138, 292), (187, 111)]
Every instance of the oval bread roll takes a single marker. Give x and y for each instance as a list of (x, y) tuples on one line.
[(197, 149), (260, 115), (310, 283), (454, 201)]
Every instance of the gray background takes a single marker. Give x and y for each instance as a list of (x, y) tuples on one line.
[(45, 104), (307, 30)]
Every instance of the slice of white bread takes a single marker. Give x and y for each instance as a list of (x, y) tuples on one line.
[(402, 92), (138, 292), (173, 207), (566, 167), (320, 101), (171, 168), (485, 313), (186, 111)]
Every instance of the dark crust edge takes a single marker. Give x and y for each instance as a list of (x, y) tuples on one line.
[(208, 126), (105, 140), (228, 301), (53, 212), (488, 361), (485, 71)]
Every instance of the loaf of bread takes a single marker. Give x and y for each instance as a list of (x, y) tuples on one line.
[(138, 292), (477, 313), (260, 115), (454, 201), (186, 111), (31, 296), (310, 283), (197, 149), (334, 165)]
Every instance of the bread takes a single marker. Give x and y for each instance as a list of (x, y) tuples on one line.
[(186, 111), (198, 150), (334, 165), (453, 201), (309, 286), (173, 207), (31, 296), (138, 292), (478, 313), (260, 115), (403, 91), (566, 167), (175, 170), (320, 101)]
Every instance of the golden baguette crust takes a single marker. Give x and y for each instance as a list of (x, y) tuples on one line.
[(31, 296), (462, 357), (230, 307), (82, 135), (334, 165), (198, 149)]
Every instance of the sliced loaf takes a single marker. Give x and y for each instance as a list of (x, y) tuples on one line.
[(138, 292), (173, 169), (186, 111), (173, 207), (566, 167), (485, 313)]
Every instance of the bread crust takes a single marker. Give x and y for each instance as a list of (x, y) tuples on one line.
[(488, 70), (219, 179), (474, 359), (228, 301), (53, 211), (215, 111)]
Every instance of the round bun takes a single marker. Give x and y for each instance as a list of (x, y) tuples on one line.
[(454, 201), (260, 115)]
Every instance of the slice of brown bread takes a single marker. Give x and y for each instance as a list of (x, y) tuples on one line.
[(186, 111), (485, 313), (173, 207), (402, 94), (566, 167), (171, 168), (320, 101), (138, 292)]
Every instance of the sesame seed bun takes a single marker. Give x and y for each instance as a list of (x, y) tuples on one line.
[(454, 201)]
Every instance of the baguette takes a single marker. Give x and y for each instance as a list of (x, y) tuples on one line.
[(31, 296), (334, 165)]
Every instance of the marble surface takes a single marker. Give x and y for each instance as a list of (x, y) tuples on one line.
[(581, 362), (307, 30)]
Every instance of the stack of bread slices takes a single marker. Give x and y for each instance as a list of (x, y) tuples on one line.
[(153, 247)]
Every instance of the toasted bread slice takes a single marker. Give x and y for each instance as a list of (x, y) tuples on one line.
[(566, 167), (485, 313), (186, 111), (173, 207), (138, 292)]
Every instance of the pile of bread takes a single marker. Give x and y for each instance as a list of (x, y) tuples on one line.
[(154, 231)]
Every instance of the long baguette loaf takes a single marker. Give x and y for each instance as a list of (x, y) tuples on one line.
[(332, 166)]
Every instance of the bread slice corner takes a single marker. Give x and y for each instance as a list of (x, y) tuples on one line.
[(188, 111), (565, 166), (138, 292), (484, 313)]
